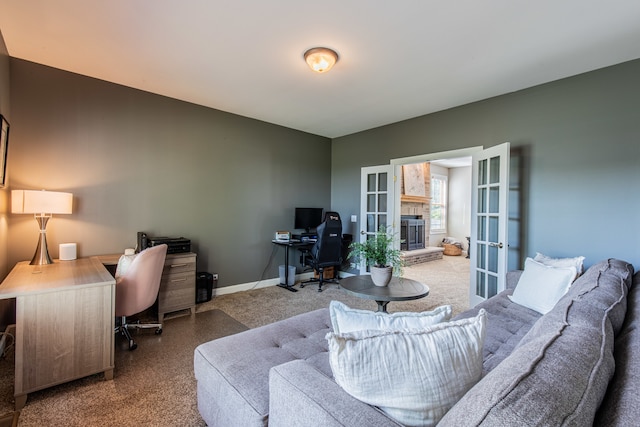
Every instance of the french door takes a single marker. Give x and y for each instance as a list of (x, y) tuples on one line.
[(489, 204), (376, 202)]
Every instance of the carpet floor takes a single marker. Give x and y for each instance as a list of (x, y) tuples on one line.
[(154, 385)]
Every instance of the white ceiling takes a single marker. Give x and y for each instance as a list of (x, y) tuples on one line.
[(398, 59)]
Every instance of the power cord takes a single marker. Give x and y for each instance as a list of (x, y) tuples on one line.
[(7, 347), (266, 267)]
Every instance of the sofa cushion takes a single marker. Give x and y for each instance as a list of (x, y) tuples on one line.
[(414, 376), (507, 322), (541, 286), (558, 373), (345, 319), (233, 372)]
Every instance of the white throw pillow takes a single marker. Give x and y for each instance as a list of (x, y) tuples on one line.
[(414, 376), (345, 319), (576, 262), (540, 287)]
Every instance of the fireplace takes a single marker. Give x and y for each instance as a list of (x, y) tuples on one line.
[(411, 233)]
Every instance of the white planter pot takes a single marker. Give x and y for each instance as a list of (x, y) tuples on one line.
[(381, 276)]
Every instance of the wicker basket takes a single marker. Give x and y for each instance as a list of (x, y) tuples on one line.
[(452, 250)]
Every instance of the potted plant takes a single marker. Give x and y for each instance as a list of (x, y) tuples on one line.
[(380, 255)]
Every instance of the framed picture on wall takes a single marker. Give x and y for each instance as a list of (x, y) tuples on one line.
[(415, 189), (4, 140)]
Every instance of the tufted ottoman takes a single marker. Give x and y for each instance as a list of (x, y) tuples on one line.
[(233, 372)]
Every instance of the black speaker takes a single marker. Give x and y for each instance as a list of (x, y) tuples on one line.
[(204, 287)]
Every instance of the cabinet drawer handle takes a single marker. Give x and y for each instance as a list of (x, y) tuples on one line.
[(179, 280), (179, 265)]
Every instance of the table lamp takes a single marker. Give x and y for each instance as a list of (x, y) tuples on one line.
[(42, 204)]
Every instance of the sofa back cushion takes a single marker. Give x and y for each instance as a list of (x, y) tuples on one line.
[(559, 372)]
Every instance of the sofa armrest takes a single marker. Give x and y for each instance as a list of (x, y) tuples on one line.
[(300, 395), (621, 405)]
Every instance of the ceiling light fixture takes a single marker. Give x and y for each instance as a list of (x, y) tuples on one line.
[(321, 59)]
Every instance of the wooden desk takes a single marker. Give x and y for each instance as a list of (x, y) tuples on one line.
[(64, 323), (290, 244)]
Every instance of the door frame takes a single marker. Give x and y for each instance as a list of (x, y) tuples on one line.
[(442, 155)]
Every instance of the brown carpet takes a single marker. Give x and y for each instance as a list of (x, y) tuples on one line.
[(154, 385)]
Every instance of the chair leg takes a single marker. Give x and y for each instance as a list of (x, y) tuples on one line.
[(124, 330)]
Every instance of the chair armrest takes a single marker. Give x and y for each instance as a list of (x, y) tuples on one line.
[(300, 395)]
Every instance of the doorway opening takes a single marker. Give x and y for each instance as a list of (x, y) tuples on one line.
[(433, 202)]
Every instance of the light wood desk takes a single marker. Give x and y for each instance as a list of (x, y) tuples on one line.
[(64, 323)]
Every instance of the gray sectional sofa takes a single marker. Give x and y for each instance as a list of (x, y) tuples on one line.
[(577, 365)]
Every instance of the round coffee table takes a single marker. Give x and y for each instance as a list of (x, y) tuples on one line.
[(399, 289)]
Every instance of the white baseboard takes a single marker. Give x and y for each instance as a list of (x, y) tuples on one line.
[(263, 284), (257, 285)]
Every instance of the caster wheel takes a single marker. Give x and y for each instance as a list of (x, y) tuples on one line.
[(159, 331), (301, 286), (132, 345), (319, 290)]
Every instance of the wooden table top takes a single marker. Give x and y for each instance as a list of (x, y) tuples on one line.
[(25, 279), (399, 289)]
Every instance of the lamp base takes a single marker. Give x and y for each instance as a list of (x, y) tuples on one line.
[(41, 257)]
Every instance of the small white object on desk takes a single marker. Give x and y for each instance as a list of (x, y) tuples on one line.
[(68, 252)]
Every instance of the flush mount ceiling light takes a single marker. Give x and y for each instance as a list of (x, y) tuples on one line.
[(320, 59)]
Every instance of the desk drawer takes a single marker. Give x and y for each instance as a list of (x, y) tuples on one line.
[(178, 284), (179, 264), (177, 292)]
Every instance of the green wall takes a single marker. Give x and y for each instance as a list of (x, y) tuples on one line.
[(579, 143), (136, 161)]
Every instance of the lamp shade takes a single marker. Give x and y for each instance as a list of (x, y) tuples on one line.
[(41, 202)]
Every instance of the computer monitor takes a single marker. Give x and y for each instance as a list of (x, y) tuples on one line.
[(308, 218)]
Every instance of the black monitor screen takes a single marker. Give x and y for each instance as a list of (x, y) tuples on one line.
[(308, 218)]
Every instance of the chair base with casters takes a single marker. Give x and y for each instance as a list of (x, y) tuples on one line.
[(124, 327), (320, 279)]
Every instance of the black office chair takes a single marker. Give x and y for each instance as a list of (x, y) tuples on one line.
[(327, 250)]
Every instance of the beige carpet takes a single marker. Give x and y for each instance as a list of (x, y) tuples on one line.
[(447, 278), (154, 385)]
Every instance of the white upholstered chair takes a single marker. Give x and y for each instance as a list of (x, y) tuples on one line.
[(137, 290)]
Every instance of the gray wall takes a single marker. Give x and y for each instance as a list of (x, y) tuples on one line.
[(136, 161), (580, 141)]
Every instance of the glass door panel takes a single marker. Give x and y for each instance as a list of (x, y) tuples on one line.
[(376, 201), (489, 225)]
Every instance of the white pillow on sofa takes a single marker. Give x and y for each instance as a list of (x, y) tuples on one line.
[(540, 287), (414, 376), (576, 262), (345, 319)]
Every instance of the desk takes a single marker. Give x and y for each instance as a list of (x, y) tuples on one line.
[(177, 290), (64, 323), (289, 244), (399, 289)]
